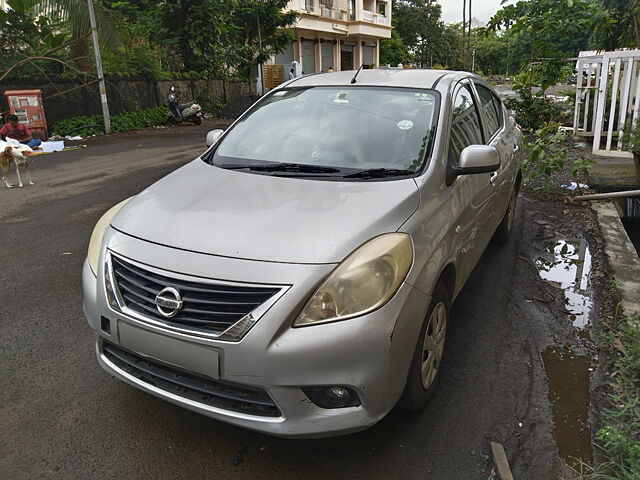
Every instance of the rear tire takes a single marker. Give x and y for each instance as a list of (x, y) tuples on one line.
[(427, 357), (503, 232), (196, 119)]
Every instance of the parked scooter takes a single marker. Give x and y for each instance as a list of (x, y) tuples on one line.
[(181, 112)]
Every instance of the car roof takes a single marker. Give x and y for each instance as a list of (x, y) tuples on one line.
[(388, 77)]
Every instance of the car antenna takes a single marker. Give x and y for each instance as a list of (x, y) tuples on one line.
[(353, 80)]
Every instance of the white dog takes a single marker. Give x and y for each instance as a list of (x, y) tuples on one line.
[(18, 154)]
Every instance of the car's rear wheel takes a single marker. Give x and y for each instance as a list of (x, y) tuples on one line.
[(503, 232), (427, 358)]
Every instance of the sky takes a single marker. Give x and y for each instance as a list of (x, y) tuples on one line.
[(481, 10)]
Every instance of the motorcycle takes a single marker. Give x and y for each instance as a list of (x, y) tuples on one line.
[(181, 112)]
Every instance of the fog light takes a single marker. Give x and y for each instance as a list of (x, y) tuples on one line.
[(332, 397), (339, 393)]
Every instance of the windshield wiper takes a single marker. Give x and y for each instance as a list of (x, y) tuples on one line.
[(284, 167), (380, 173)]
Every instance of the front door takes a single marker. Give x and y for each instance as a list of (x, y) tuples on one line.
[(471, 198)]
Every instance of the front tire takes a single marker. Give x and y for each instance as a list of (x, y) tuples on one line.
[(427, 357)]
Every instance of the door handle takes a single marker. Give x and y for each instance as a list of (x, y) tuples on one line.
[(493, 177), (516, 148)]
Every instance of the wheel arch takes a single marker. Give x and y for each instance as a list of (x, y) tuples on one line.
[(448, 278)]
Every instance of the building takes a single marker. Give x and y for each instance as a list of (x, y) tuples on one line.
[(337, 34)]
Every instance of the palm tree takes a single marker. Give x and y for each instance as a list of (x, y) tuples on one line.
[(74, 14)]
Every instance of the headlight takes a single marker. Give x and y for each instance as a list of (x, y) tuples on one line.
[(367, 279), (98, 232)]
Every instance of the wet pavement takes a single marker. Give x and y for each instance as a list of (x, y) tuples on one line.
[(511, 350)]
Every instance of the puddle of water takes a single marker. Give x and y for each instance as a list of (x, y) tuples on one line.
[(568, 382), (566, 264)]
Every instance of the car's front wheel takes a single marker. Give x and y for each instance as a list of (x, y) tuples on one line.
[(427, 358)]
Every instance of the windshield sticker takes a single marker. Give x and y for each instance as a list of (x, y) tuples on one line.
[(405, 124), (424, 97), (341, 97)]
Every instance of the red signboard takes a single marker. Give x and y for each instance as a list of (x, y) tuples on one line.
[(28, 106)]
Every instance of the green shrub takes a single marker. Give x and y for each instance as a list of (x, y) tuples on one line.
[(631, 136), (93, 124), (549, 153), (532, 112), (619, 438)]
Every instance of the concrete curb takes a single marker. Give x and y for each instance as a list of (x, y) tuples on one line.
[(623, 259)]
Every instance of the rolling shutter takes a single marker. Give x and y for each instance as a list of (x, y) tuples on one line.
[(367, 55), (327, 56), (286, 56), (308, 57)]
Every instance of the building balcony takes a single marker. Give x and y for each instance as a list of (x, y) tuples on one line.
[(376, 18), (346, 10)]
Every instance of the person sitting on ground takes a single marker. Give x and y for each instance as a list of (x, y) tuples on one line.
[(18, 132)]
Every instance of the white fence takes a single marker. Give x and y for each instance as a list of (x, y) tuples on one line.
[(607, 95)]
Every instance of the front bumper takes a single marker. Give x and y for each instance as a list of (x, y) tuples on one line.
[(370, 354)]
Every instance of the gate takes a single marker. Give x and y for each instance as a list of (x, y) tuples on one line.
[(607, 95)]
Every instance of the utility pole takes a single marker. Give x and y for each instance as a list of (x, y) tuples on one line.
[(473, 61), (96, 49)]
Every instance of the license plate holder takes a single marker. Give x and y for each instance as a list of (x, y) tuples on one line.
[(188, 356)]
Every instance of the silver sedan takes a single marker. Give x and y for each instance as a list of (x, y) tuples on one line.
[(296, 278)]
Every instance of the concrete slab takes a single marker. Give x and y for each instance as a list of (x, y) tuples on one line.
[(623, 258)]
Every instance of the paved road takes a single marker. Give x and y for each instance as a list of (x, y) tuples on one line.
[(62, 417)]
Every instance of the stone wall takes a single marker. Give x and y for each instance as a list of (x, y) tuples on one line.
[(124, 95)]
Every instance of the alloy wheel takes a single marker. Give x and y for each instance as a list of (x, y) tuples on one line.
[(433, 346)]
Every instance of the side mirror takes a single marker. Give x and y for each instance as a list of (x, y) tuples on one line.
[(474, 159), (478, 159), (213, 136)]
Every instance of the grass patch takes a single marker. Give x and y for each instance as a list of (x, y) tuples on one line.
[(618, 441)]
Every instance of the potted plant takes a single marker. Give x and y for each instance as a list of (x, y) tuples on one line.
[(631, 143)]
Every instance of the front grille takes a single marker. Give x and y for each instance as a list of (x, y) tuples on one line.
[(236, 398), (207, 308)]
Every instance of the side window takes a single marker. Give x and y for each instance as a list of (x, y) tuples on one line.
[(465, 124), (499, 107), (491, 112)]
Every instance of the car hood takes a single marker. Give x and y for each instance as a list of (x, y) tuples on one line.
[(210, 210)]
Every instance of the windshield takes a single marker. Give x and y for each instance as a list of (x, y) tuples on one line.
[(348, 130)]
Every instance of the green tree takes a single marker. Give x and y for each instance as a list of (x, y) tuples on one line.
[(419, 26), (554, 28), (626, 31), (393, 51)]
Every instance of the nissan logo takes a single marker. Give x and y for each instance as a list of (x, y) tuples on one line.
[(168, 302)]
